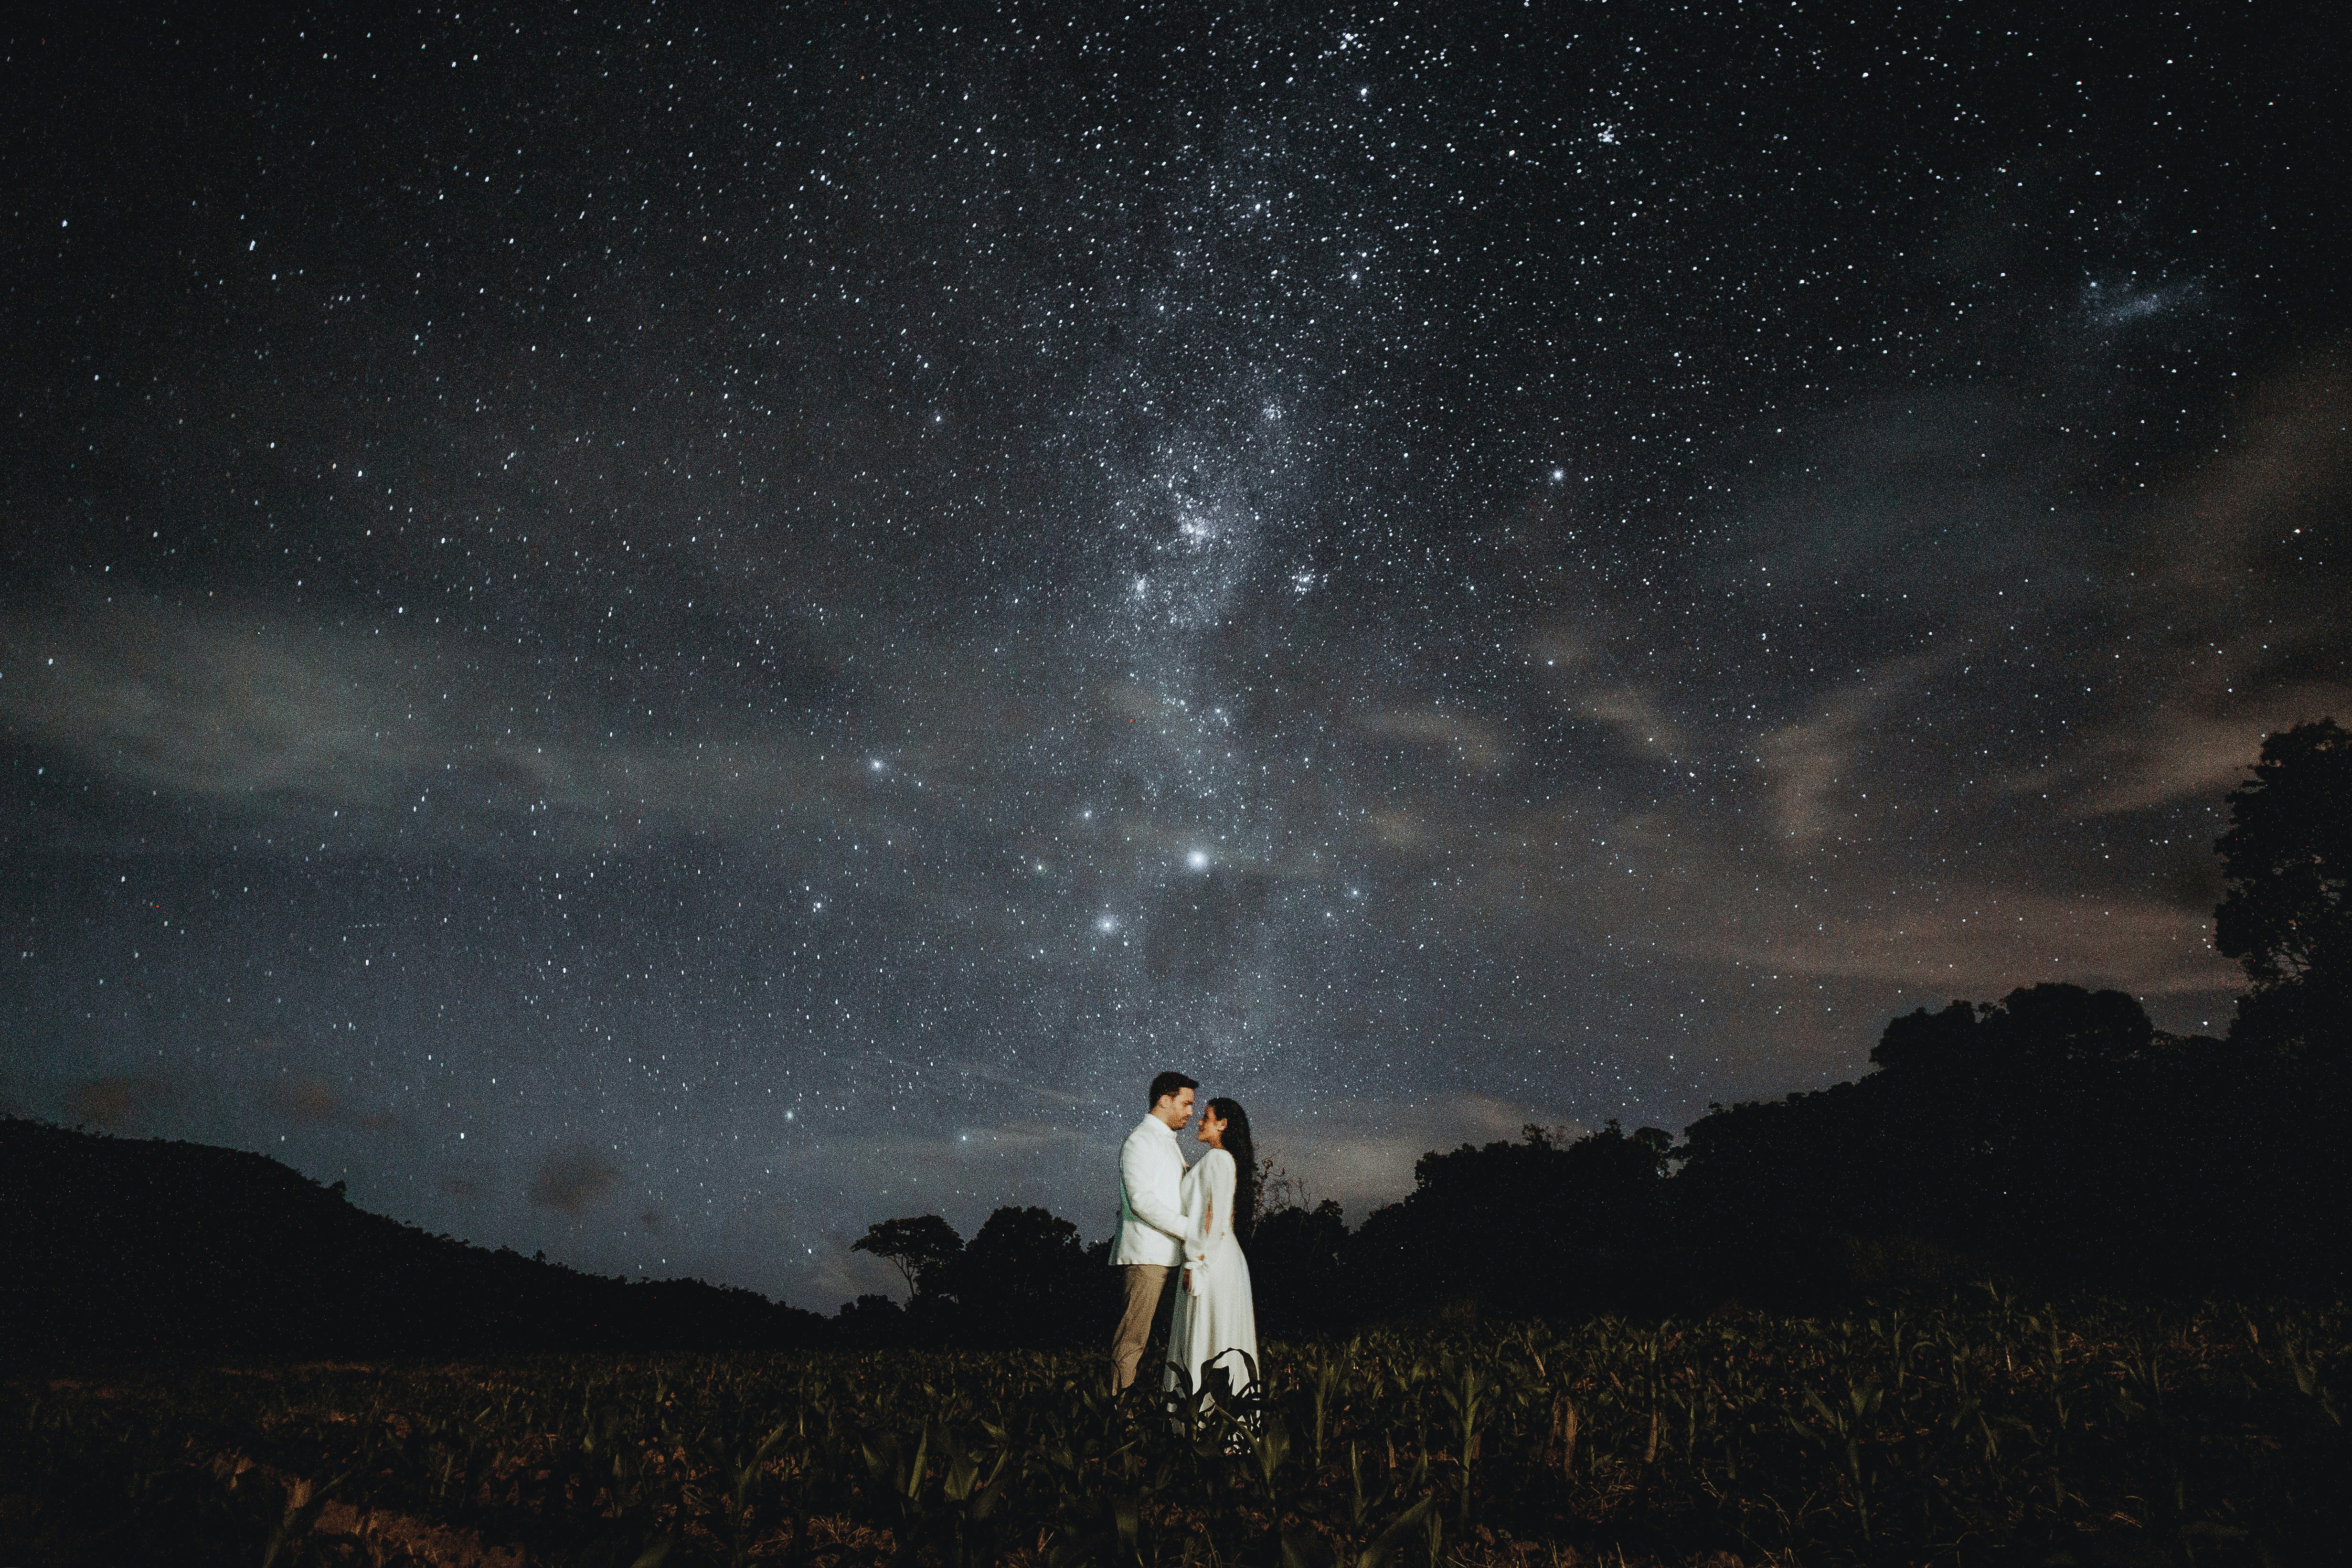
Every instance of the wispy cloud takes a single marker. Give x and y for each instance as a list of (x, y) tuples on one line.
[(115, 1100), (1987, 942), (415, 731), (1808, 763), (2199, 750), (1571, 667), (306, 1098), (2289, 454), (574, 1181), (1472, 745)]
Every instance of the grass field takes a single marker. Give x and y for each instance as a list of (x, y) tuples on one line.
[(1984, 1429)]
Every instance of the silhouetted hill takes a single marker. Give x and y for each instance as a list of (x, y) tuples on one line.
[(118, 1245)]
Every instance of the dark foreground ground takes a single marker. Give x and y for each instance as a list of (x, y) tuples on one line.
[(1979, 1429)]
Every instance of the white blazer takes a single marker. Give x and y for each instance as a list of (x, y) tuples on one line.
[(1151, 1224)]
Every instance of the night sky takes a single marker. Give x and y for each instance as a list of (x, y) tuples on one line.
[(660, 631)]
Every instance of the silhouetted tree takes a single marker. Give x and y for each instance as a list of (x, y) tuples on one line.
[(1922, 1041), (2287, 861), (1536, 1226), (2053, 1024), (1296, 1268), (2057, 1135), (2042, 1025), (920, 1248), (1025, 1280), (872, 1323)]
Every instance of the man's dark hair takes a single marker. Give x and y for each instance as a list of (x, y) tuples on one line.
[(1168, 1083)]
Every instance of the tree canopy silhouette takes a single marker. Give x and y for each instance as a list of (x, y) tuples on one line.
[(1026, 1280), (918, 1248), (1543, 1225), (2049, 1131), (2287, 860)]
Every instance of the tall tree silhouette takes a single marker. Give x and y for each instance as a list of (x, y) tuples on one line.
[(2287, 918)]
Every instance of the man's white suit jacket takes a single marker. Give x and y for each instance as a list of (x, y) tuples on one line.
[(1150, 1196)]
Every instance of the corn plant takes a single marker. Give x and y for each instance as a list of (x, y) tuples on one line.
[(1914, 1431)]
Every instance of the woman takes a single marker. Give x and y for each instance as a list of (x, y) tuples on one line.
[(1215, 1322)]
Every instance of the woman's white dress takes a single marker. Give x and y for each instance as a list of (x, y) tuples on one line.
[(1215, 1322)]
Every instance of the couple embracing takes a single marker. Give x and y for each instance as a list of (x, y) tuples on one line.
[(1180, 1223)]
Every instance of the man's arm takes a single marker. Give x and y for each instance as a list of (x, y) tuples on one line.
[(1136, 1172)]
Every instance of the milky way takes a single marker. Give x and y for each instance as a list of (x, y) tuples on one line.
[(659, 636)]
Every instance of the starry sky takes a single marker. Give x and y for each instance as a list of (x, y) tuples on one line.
[(658, 632)]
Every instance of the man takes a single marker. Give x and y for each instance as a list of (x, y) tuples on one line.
[(1151, 1240)]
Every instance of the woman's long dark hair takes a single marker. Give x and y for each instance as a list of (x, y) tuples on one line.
[(1244, 1152)]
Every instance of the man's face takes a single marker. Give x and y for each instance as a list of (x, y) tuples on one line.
[(1175, 1109)]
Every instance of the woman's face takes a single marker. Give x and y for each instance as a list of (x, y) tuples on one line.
[(1213, 1132)]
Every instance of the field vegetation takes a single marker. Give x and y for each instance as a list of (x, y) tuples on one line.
[(1978, 1429)]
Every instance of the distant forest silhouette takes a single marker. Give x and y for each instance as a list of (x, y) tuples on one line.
[(2053, 1138)]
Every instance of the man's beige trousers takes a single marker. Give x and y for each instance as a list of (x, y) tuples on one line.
[(1145, 1281)]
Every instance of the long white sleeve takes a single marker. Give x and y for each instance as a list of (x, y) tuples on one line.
[(1150, 1184), (1212, 1219)]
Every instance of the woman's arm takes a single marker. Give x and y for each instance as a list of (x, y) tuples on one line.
[(1217, 1221), (1197, 1235)]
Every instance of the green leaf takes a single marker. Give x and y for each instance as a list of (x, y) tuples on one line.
[(1303, 1548), (1385, 1546)]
